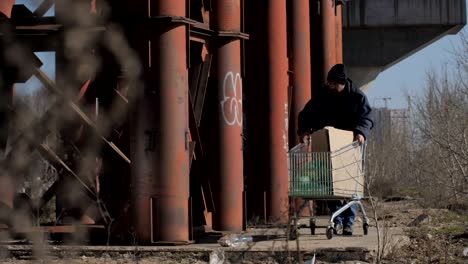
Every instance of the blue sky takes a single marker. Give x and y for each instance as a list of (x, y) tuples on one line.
[(33, 4), (48, 58)]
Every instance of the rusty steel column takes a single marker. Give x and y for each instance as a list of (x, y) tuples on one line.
[(316, 43), (7, 182), (160, 163), (229, 162), (278, 115), (339, 33), (301, 65), (327, 12), (6, 6), (267, 110)]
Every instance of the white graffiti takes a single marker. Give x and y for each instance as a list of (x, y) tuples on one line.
[(231, 101), (286, 128)]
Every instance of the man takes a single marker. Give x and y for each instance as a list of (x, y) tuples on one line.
[(341, 105)]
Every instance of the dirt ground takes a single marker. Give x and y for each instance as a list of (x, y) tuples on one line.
[(431, 236)]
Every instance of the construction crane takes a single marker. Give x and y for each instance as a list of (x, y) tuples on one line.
[(385, 99)]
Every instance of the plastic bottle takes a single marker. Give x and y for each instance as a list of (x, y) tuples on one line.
[(235, 240)]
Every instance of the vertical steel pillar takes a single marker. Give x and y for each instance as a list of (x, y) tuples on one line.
[(339, 33), (8, 182), (316, 53), (301, 67), (267, 109), (6, 80), (6, 6), (327, 11), (301, 64), (278, 115), (160, 167), (227, 71)]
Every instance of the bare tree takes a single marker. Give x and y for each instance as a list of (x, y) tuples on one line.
[(425, 154), (441, 118)]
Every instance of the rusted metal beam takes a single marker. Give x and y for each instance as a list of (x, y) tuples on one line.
[(194, 83), (57, 162), (194, 130), (50, 85), (42, 9), (66, 229), (48, 194), (202, 86), (29, 142)]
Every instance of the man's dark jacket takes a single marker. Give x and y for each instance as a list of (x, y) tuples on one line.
[(347, 110)]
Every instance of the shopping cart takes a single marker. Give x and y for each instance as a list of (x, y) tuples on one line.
[(334, 175)]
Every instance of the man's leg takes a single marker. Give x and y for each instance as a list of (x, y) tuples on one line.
[(348, 219), (335, 206), (5, 214)]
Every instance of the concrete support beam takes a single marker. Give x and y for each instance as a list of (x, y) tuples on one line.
[(400, 13), (379, 33)]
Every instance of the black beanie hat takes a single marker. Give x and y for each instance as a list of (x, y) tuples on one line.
[(337, 74)]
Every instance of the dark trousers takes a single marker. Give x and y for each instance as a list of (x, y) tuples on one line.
[(346, 218)]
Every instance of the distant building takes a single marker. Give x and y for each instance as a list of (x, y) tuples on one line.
[(387, 122)]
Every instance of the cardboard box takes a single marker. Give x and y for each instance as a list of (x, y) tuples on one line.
[(346, 160), (330, 139)]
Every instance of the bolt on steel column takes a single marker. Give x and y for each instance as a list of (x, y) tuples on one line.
[(227, 70), (160, 168)]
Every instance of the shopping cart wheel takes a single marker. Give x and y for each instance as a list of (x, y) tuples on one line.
[(312, 226), (365, 227), (329, 232)]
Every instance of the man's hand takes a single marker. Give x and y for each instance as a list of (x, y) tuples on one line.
[(359, 138), (304, 137)]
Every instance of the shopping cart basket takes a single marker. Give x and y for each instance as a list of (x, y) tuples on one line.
[(334, 175)]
